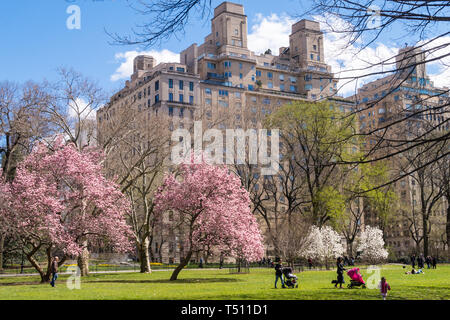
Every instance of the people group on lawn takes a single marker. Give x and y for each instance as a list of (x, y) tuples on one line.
[(354, 274)]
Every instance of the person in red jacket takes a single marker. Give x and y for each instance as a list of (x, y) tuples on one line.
[(384, 287)]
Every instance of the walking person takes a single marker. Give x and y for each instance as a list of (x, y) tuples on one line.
[(279, 273), (340, 273), (420, 262), (428, 261), (433, 262), (384, 287), (54, 270), (346, 261), (310, 263), (413, 261)]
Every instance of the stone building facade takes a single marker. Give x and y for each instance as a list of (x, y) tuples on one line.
[(224, 84), (409, 99)]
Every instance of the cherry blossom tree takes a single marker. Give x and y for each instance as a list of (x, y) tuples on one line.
[(370, 242), (323, 244), (60, 201), (213, 209)]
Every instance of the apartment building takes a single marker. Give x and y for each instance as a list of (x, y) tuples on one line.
[(410, 97), (222, 77)]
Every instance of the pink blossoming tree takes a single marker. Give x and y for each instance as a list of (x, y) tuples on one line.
[(211, 209), (60, 200)]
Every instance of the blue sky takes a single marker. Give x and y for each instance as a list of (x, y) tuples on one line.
[(35, 39)]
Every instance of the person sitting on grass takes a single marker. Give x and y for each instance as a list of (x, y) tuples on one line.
[(279, 273), (413, 271)]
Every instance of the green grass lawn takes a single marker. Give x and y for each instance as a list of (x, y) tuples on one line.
[(219, 284)]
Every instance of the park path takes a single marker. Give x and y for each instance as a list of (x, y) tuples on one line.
[(13, 275)]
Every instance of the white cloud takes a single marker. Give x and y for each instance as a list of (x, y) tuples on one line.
[(273, 32), (439, 70), (80, 107), (125, 59), (270, 32), (352, 63)]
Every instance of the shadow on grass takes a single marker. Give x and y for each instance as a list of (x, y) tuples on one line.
[(25, 283), (195, 280)]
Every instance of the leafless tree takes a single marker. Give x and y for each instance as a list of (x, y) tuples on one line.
[(430, 191), (22, 123), (163, 20), (137, 154)]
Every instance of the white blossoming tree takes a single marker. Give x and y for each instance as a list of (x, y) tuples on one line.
[(323, 244), (371, 245)]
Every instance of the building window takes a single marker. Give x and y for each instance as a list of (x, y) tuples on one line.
[(191, 99), (223, 103), (223, 93), (157, 98), (281, 77), (181, 85), (181, 98), (170, 96), (270, 85), (208, 91), (293, 88), (240, 66), (307, 87), (157, 85), (237, 95), (258, 73), (282, 87), (293, 79), (191, 86), (311, 56), (211, 65), (171, 83), (269, 75)]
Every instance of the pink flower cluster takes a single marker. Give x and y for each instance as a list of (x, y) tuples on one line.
[(213, 208), (60, 197)]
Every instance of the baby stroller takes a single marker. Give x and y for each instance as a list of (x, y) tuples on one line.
[(356, 279), (290, 279)]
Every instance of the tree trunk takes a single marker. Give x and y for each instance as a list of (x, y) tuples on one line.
[(2, 243), (349, 248), (144, 257), (83, 261), (180, 267), (45, 276), (425, 236)]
